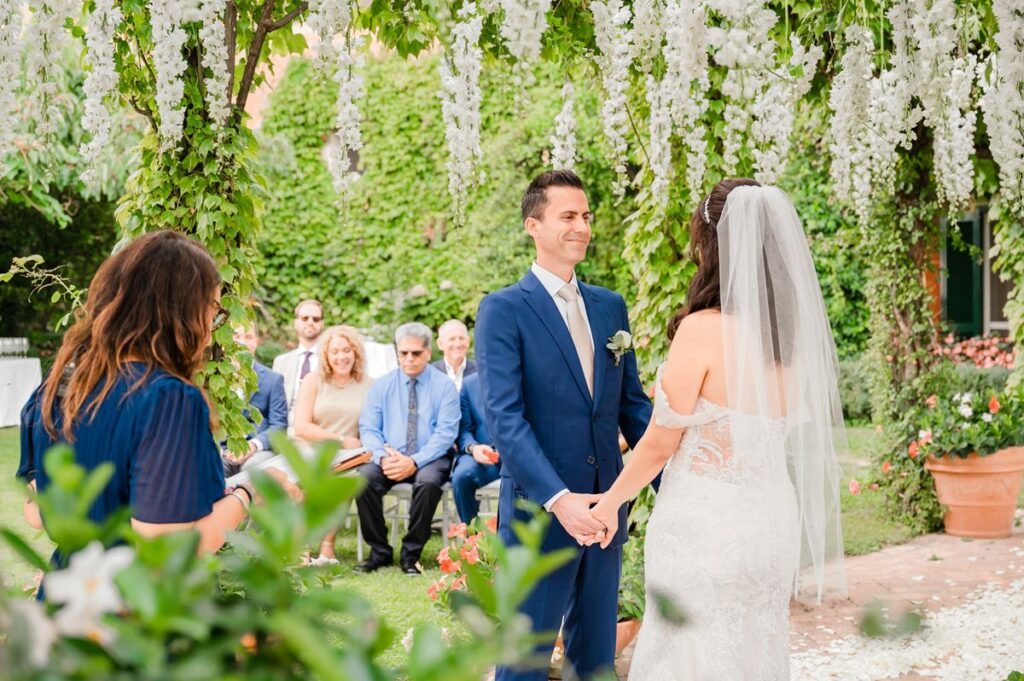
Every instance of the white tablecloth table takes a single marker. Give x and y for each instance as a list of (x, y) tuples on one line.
[(19, 376)]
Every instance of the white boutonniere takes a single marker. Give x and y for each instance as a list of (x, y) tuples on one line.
[(620, 344)]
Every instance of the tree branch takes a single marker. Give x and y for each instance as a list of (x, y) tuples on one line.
[(230, 35), (144, 110), (252, 58), (287, 18)]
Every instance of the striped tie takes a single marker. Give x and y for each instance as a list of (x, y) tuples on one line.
[(410, 428)]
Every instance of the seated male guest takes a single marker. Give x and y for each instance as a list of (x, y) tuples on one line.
[(453, 340), (409, 422), (477, 463), (269, 399), (295, 364)]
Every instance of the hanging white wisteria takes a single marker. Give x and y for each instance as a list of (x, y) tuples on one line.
[(687, 83), (100, 82), (330, 21), (522, 28), (615, 41), (460, 105), (944, 87), (659, 145), (46, 40), (744, 46), (215, 60), (1003, 101), (169, 62), (563, 140), (648, 31), (327, 19), (849, 101), (10, 27), (774, 112), (348, 118)]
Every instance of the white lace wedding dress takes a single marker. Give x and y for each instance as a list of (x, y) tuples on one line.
[(722, 543)]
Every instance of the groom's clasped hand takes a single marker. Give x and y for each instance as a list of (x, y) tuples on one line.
[(583, 517)]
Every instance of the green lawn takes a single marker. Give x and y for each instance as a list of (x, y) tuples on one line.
[(866, 526), (402, 601)]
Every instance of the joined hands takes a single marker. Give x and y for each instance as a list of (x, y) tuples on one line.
[(589, 518)]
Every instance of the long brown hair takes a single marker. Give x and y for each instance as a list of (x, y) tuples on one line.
[(355, 340), (705, 288), (149, 302)]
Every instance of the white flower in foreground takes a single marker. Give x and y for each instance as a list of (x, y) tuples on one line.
[(1003, 101), (986, 417), (87, 590), (40, 631), (407, 640), (418, 291), (966, 411)]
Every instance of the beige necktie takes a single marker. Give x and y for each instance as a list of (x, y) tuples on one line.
[(579, 332)]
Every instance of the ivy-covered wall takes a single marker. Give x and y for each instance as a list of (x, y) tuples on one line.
[(393, 254)]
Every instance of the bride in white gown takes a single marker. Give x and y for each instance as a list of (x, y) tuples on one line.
[(746, 423)]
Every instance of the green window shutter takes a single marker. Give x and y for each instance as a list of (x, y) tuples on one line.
[(962, 303)]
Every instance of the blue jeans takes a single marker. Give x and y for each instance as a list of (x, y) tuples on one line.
[(467, 477)]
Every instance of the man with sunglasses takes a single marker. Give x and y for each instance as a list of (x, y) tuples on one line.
[(295, 364), (409, 423)]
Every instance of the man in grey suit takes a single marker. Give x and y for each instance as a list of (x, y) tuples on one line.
[(295, 364), (453, 339)]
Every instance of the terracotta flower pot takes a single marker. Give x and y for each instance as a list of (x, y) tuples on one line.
[(625, 632), (979, 492)]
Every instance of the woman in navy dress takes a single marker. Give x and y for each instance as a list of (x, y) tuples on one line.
[(121, 391)]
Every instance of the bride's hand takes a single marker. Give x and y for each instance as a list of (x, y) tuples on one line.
[(608, 516)]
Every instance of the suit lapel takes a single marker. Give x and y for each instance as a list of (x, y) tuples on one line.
[(599, 331), (540, 301)]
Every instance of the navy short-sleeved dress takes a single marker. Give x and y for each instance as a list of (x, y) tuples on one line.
[(167, 466)]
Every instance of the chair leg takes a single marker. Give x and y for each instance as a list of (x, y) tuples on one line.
[(359, 540), (445, 518)]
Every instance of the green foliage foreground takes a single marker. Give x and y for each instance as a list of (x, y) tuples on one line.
[(249, 611)]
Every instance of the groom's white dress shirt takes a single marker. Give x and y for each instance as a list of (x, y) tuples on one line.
[(553, 283)]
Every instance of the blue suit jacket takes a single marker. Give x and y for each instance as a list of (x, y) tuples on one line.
[(551, 433), (271, 402), (473, 427)]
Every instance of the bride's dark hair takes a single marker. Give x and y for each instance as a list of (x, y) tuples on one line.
[(705, 290)]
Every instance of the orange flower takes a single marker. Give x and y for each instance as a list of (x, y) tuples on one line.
[(448, 565), (459, 583), (457, 530), (469, 554), (854, 487), (912, 449), (886, 467), (436, 587), (993, 405), (492, 523), (931, 401), (248, 642)]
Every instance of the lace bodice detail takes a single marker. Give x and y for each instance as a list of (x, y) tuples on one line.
[(722, 443)]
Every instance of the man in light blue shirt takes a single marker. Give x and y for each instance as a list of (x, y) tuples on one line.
[(409, 422)]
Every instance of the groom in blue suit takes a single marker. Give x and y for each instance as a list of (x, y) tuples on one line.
[(555, 399)]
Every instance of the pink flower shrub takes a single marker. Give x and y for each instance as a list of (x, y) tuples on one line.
[(982, 351)]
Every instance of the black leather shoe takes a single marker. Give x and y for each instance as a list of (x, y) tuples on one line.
[(411, 569), (373, 565)]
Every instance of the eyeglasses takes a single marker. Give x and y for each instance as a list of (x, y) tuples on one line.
[(414, 353), (310, 318), (221, 318)]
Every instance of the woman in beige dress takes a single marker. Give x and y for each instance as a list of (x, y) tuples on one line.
[(331, 399)]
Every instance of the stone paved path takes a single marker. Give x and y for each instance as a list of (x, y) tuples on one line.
[(928, 573)]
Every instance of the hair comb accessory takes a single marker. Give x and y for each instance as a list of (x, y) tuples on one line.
[(707, 218)]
